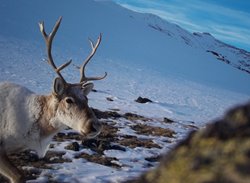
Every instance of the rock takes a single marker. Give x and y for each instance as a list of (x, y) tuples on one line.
[(218, 153), (153, 158), (109, 99), (74, 146), (118, 147), (167, 120), (143, 100), (114, 109)]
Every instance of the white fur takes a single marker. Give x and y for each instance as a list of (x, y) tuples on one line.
[(19, 112)]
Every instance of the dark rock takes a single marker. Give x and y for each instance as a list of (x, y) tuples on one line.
[(214, 53), (167, 120), (109, 99), (74, 146), (114, 109), (218, 153), (117, 147), (143, 100), (153, 158)]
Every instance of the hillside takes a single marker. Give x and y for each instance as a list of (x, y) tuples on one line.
[(124, 40)]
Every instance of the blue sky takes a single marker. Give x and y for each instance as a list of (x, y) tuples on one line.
[(227, 20)]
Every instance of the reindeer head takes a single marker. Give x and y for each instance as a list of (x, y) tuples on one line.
[(71, 98)]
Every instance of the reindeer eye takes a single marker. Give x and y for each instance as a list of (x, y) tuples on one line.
[(70, 100)]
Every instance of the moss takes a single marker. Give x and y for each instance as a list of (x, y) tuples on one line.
[(238, 116), (219, 153), (206, 161)]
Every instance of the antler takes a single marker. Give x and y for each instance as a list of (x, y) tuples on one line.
[(48, 40), (94, 47)]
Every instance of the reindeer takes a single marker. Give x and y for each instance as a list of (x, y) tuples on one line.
[(29, 121)]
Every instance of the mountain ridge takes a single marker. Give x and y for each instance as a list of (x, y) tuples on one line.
[(195, 40)]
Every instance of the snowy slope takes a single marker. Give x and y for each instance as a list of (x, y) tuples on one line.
[(143, 55), (141, 39)]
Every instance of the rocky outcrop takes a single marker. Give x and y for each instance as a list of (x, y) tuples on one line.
[(143, 100), (218, 153)]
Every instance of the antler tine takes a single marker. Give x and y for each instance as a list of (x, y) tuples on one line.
[(48, 40), (94, 47)]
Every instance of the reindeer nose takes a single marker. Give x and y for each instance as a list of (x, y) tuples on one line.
[(93, 128)]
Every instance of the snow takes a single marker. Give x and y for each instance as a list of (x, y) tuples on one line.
[(143, 55)]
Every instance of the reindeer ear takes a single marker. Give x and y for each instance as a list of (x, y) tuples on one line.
[(59, 86), (87, 87)]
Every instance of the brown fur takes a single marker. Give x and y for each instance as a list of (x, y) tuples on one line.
[(47, 112)]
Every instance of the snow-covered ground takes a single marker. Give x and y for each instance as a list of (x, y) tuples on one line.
[(143, 55)]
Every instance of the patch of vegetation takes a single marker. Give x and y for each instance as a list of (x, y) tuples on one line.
[(133, 142), (151, 130)]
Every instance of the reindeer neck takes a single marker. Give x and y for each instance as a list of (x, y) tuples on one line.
[(48, 105)]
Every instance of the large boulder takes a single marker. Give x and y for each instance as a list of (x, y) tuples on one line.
[(218, 153)]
